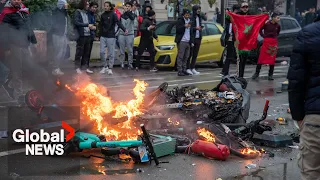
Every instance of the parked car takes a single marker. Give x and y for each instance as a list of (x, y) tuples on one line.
[(289, 31), (166, 48)]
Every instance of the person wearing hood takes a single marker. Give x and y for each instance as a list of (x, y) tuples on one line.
[(109, 20), (148, 33), (304, 98), (126, 40), (184, 39), (81, 22), (196, 27), (59, 35)]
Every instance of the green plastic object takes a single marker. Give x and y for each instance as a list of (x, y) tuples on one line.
[(163, 145), (87, 141)]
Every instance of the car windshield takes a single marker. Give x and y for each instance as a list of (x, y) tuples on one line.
[(166, 28)]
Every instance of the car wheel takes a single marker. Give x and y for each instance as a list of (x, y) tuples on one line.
[(223, 57)]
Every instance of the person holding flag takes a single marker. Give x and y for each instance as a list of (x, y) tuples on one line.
[(246, 28), (268, 51)]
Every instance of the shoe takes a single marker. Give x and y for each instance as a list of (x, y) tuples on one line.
[(110, 72), (57, 72), (221, 74), (78, 71), (189, 72), (186, 73), (255, 76), (195, 72), (122, 65), (130, 67), (153, 70), (8, 90), (89, 71), (104, 70), (270, 78), (137, 69), (181, 74)]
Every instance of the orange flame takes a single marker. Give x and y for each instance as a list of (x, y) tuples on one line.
[(175, 123), (249, 151), (96, 106), (207, 135)]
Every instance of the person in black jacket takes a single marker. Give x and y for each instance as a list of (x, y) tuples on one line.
[(81, 22), (304, 98), (244, 10), (59, 35), (229, 40), (196, 26), (184, 39), (108, 22), (148, 33)]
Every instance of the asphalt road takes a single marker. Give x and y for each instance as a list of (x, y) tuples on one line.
[(15, 165)]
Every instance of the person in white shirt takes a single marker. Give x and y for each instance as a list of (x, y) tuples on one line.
[(184, 39)]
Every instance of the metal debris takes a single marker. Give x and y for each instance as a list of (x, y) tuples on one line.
[(251, 166)]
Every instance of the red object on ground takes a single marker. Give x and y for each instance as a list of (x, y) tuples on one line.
[(223, 88), (268, 51), (246, 28), (211, 150)]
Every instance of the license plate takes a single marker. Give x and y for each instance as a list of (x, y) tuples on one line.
[(143, 154), (143, 54)]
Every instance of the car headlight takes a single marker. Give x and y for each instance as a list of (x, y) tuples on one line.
[(165, 47)]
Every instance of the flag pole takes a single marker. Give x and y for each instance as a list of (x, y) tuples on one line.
[(238, 59)]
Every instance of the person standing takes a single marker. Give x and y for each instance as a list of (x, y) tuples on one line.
[(304, 98), (59, 35), (109, 20), (83, 27), (184, 39), (196, 27), (310, 16), (16, 38), (93, 6), (126, 40), (268, 52), (244, 10), (136, 13), (229, 39), (146, 41)]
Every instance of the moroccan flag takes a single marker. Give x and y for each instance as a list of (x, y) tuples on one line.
[(246, 29)]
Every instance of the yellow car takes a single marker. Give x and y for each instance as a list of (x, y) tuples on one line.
[(166, 49)]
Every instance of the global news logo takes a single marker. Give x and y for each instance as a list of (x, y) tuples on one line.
[(44, 143)]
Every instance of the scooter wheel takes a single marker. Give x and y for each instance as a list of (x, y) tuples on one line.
[(34, 100)]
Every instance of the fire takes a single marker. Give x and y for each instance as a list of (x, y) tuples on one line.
[(207, 135), (249, 151), (95, 105), (175, 123)]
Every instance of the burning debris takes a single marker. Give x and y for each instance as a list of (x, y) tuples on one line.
[(177, 111), (96, 106)]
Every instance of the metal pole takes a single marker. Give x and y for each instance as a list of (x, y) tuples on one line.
[(223, 12)]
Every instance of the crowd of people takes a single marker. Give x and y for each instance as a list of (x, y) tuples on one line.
[(308, 16)]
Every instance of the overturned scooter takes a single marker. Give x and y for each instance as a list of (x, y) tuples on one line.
[(83, 141)]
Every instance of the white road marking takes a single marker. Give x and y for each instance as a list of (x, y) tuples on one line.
[(11, 152)]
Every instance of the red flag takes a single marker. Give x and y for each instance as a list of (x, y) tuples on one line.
[(246, 29)]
